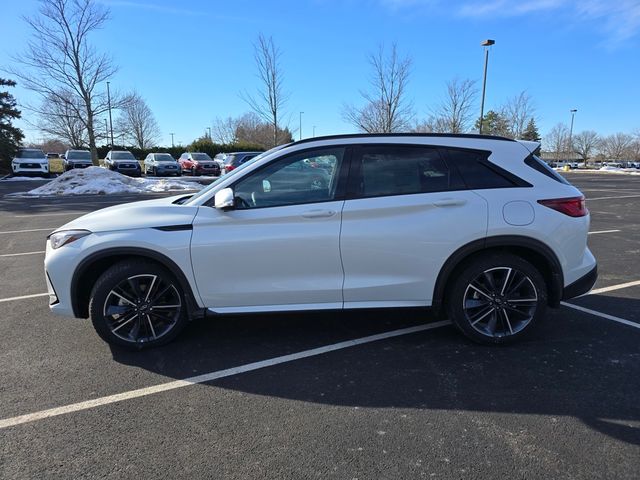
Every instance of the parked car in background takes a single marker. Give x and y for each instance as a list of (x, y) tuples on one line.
[(76, 159), (197, 163), (158, 164), (53, 155), (235, 159), (30, 161), (123, 161), (476, 227)]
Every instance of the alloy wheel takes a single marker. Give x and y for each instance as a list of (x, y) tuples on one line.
[(500, 302), (142, 308)]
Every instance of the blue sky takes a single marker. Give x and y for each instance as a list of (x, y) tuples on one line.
[(191, 59)]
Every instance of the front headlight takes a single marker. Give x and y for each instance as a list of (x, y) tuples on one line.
[(58, 239)]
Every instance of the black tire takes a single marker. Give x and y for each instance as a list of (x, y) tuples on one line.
[(194, 172), (496, 299), (154, 171), (132, 323)]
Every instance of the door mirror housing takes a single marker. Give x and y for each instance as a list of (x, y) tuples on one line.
[(224, 199)]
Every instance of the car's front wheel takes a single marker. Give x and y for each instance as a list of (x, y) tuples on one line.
[(137, 304), (497, 299)]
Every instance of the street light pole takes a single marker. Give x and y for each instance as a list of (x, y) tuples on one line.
[(301, 125), (486, 44), (314, 130), (573, 114), (172, 145), (109, 105), (106, 129), (209, 128)]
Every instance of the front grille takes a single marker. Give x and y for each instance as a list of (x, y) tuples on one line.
[(126, 165), (30, 165)]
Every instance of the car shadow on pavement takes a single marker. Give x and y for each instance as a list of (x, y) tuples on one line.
[(573, 365)]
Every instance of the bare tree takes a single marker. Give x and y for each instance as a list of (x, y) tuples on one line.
[(137, 123), (557, 140), (60, 117), (585, 144), (455, 113), (615, 146), (251, 130), (386, 108), (59, 58), (224, 130), (270, 98), (518, 111)]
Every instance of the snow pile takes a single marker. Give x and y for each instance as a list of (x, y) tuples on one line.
[(98, 180), (23, 179), (628, 171)]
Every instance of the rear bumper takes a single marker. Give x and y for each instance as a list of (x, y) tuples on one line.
[(581, 285)]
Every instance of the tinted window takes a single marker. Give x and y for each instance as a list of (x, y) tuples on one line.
[(31, 154), (477, 172), (79, 155), (164, 157), (291, 180), (398, 170), (122, 156), (542, 167), (200, 156)]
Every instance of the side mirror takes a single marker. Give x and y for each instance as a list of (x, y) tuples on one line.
[(224, 199)]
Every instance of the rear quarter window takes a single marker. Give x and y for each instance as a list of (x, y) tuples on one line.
[(478, 173), (541, 166)]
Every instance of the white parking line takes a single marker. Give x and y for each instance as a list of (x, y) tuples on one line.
[(208, 377), (608, 198), (32, 230), (602, 315), (48, 214), (603, 231), (23, 297), (613, 287), (20, 254)]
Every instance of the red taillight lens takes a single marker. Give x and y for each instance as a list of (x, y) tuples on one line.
[(228, 168), (573, 206)]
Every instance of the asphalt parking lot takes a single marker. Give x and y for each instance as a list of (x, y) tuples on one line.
[(417, 403)]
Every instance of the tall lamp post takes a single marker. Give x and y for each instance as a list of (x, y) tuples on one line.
[(209, 129), (301, 125), (573, 114), (106, 129), (172, 145), (486, 44), (109, 105), (314, 130)]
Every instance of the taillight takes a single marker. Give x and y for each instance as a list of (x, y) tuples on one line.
[(573, 206), (228, 168)]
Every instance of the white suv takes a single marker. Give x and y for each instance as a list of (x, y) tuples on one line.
[(30, 161), (476, 227)]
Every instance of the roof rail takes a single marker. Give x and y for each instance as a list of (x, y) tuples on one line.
[(410, 135)]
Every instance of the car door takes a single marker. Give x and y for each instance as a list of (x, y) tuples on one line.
[(406, 212), (278, 249)]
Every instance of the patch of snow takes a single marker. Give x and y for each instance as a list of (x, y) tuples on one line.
[(627, 171), (24, 179), (101, 181)]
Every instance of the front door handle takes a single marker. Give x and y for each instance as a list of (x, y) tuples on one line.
[(449, 202), (318, 213)]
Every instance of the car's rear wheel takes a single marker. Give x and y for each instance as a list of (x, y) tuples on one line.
[(497, 299), (137, 304), (194, 172)]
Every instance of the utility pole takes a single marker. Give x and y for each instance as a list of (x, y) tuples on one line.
[(301, 125), (106, 129), (486, 44), (109, 105), (209, 129), (314, 130), (573, 114), (172, 145)]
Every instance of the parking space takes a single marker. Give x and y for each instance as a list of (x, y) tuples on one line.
[(287, 398)]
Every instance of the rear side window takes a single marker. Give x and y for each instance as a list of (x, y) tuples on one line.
[(541, 166), (399, 170), (478, 173)]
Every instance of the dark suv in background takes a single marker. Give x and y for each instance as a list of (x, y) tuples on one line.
[(123, 161), (76, 159), (233, 160)]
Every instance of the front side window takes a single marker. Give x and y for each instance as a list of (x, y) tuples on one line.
[(399, 170), (291, 180)]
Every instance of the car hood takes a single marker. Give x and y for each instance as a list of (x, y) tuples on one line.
[(145, 214)]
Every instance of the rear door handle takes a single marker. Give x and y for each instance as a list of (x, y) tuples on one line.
[(449, 202), (319, 213)]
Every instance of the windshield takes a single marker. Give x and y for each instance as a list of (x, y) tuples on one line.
[(200, 156), (31, 154), (233, 173), (122, 156), (164, 157), (79, 155)]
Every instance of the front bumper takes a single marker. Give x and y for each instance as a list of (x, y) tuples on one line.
[(581, 285), (29, 168)]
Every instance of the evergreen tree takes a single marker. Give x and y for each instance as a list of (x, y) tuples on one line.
[(531, 132), (494, 123), (10, 136)]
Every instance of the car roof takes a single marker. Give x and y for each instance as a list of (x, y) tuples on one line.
[(356, 136)]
